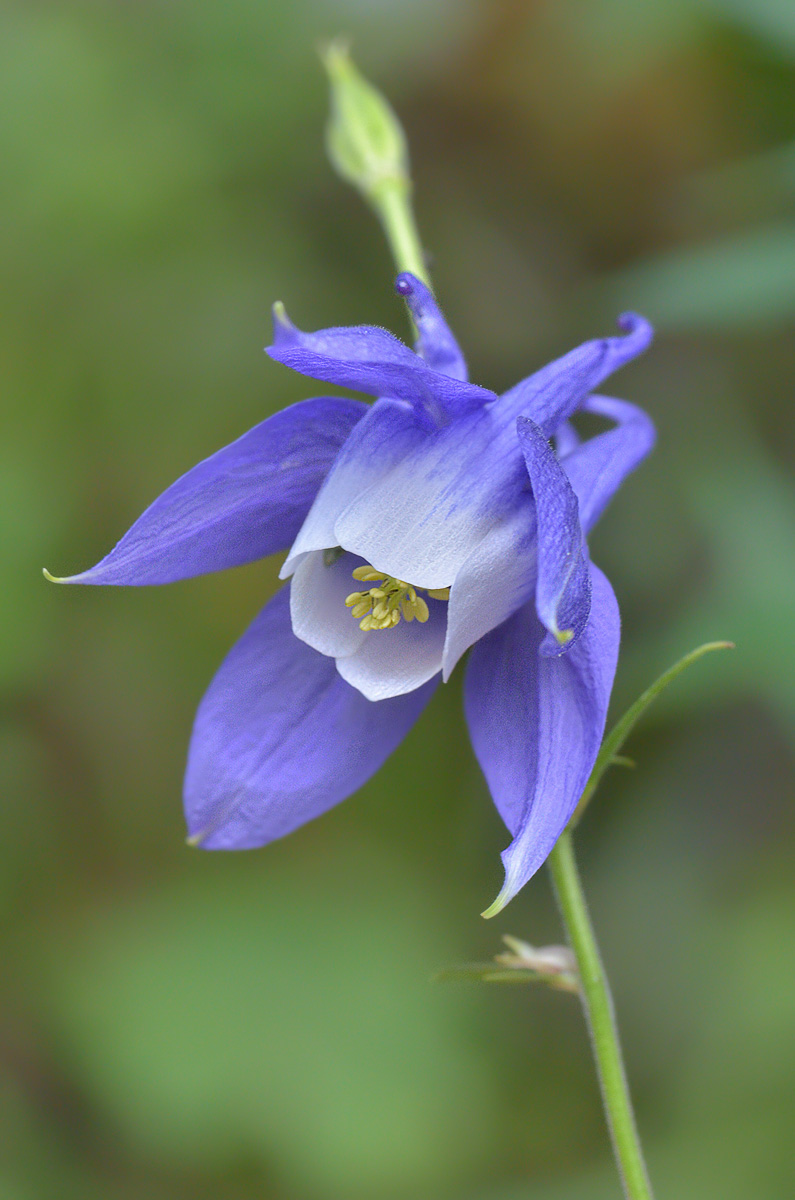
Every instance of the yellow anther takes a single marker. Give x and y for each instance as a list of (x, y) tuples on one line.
[(421, 611), (367, 573), (381, 607)]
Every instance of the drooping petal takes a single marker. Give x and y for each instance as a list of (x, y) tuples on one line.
[(435, 342), (498, 578), (387, 434), (421, 519), (563, 583), (556, 391), (369, 359), (394, 662), (243, 503), (317, 604), (280, 737), (598, 467), (536, 724)]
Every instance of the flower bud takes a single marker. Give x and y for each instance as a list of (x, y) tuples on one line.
[(364, 139)]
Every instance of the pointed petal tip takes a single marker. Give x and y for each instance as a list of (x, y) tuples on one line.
[(55, 578), (282, 325), (556, 642), (498, 905), (195, 840)]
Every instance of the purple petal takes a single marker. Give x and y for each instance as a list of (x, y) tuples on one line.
[(536, 724), (435, 342), (371, 360), (563, 585), (597, 468), (498, 577), (243, 503), (556, 391), (280, 737)]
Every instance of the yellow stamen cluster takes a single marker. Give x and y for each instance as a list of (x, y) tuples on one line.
[(381, 607)]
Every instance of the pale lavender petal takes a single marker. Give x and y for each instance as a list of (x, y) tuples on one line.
[(536, 725), (392, 662), (435, 341), (563, 586), (386, 435), (498, 577), (598, 467), (317, 603), (422, 518), (280, 737), (369, 359), (556, 391), (245, 502)]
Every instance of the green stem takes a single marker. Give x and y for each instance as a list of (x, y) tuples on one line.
[(598, 1005), (391, 199)]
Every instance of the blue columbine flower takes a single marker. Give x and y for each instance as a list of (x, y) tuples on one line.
[(436, 520)]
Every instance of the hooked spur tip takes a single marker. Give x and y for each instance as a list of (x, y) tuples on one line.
[(634, 323), (405, 283), (53, 578)]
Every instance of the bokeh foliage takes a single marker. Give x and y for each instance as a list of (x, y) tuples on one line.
[(186, 1025)]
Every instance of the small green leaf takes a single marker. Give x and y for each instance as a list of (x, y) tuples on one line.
[(611, 746)]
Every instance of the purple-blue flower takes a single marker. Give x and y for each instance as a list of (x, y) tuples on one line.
[(437, 520)]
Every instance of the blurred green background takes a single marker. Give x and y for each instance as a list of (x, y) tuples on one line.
[(182, 1025)]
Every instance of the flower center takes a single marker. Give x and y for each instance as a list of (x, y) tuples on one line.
[(382, 606)]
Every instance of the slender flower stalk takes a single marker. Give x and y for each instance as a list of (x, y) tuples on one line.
[(597, 1003), (392, 202)]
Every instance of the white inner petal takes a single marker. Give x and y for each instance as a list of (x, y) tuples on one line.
[(421, 519), (497, 578), (317, 605), (381, 438), (391, 662)]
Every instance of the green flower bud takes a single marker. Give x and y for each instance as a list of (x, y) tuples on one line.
[(364, 139)]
